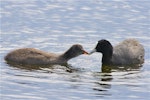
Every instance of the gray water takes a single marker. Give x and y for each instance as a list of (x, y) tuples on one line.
[(55, 25)]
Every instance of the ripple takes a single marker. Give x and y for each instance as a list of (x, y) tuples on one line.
[(55, 25)]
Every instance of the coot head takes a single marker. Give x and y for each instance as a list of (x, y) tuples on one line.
[(103, 46), (74, 51)]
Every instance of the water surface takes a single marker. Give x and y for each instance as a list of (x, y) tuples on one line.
[(55, 25)]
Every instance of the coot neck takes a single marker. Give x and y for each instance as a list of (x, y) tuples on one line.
[(107, 56), (106, 59), (68, 55)]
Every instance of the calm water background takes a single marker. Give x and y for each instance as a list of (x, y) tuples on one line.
[(55, 25)]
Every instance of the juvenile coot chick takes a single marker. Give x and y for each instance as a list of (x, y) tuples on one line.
[(38, 57)]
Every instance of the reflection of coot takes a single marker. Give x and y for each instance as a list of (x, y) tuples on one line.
[(103, 85), (128, 52), (51, 68)]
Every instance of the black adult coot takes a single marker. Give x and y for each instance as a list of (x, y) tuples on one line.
[(128, 52)]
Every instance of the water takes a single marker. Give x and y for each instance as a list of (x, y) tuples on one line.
[(55, 25)]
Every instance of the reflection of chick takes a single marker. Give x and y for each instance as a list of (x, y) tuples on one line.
[(37, 57), (128, 52)]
